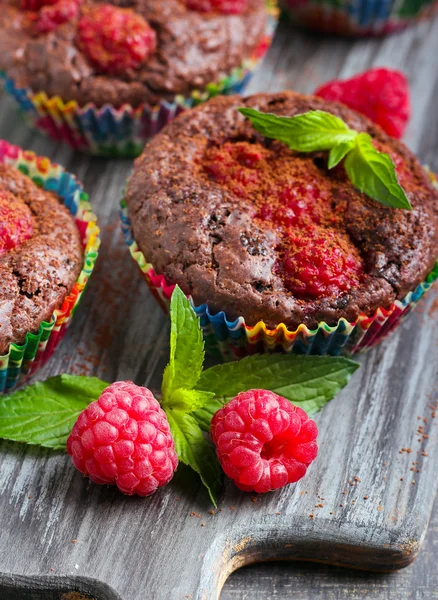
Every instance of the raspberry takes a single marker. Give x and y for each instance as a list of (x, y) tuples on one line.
[(380, 94), (320, 262), (234, 165), (263, 441), (226, 7), (16, 222), (61, 12), (115, 39), (124, 439), (295, 204)]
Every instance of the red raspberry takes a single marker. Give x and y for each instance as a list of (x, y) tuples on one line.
[(226, 7), (293, 205), (263, 441), (320, 263), (115, 39), (380, 94), (16, 222), (124, 439), (234, 165), (61, 12)]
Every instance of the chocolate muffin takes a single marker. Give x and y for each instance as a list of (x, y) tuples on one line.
[(254, 229), (133, 52), (40, 256)]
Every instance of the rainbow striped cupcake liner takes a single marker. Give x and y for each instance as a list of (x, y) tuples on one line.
[(358, 18), (110, 131), (234, 339), (24, 360)]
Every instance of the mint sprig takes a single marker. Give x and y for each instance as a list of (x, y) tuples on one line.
[(371, 171), (44, 413), (180, 399), (308, 381)]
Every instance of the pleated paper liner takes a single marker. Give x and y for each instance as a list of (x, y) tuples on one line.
[(358, 18), (21, 361), (234, 339), (110, 131)]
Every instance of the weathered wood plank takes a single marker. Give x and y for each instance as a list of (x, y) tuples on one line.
[(134, 545), (306, 581)]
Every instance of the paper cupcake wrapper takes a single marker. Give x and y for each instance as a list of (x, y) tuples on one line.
[(21, 361), (361, 17), (234, 339), (123, 131)]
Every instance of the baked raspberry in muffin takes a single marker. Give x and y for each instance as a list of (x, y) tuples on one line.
[(252, 228), (40, 256)]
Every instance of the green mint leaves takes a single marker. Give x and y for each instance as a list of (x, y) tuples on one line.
[(186, 347), (180, 399), (310, 132), (371, 171), (44, 413), (194, 450), (374, 174), (308, 381)]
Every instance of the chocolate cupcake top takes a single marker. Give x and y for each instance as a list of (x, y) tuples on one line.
[(260, 231), (130, 51), (40, 256)]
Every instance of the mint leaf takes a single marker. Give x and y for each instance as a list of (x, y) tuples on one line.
[(373, 173), (204, 414), (194, 450), (308, 381), (45, 412), (313, 131), (186, 346), (338, 152), (186, 400)]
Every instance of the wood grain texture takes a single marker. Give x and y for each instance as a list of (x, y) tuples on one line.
[(307, 581), (132, 549)]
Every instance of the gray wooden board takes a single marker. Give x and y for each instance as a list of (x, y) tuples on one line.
[(131, 548)]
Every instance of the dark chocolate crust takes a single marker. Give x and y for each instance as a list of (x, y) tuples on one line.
[(198, 234), (193, 50), (37, 275)]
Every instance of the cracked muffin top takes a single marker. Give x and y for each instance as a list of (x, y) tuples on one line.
[(252, 228), (40, 256), (126, 51)]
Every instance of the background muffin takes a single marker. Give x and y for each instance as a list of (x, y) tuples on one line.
[(106, 78), (365, 17), (48, 247), (40, 256)]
